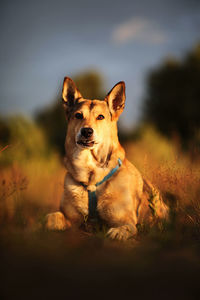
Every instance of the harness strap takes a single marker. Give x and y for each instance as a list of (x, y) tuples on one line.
[(92, 198), (92, 205)]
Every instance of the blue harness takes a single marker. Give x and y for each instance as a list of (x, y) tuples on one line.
[(92, 197)]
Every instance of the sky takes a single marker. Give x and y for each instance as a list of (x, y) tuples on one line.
[(43, 41)]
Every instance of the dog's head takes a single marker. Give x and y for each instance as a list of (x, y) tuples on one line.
[(90, 122)]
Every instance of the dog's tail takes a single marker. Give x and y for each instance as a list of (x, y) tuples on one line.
[(156, 204)]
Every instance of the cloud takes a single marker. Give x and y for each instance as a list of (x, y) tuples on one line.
[(139, 29)]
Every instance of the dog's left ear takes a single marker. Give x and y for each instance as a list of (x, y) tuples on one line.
[(116, 100)]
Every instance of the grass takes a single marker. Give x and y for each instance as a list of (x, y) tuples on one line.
[(163, 262), (29, 191)]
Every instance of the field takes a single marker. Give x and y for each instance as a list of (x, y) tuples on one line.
[(163, 262)]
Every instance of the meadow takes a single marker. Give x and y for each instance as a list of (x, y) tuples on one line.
[(162, 262)]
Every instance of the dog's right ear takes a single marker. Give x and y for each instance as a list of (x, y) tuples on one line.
[(70, 93)]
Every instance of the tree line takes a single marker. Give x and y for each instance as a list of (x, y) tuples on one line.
[(171, 103)]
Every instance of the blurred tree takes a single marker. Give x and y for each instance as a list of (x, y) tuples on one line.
[(53, 122), (173, 99), (52, 119), (90, 84), (4, 132), (25, 140)]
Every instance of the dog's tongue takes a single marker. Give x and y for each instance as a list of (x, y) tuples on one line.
[(86, 143)]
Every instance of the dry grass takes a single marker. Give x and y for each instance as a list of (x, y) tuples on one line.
[(173, 173), (177, 176), (30, 190), (165, 261)]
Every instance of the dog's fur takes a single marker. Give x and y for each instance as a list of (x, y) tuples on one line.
[(124, 200)]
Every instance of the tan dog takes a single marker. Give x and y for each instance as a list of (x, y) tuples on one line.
[(123, 199)]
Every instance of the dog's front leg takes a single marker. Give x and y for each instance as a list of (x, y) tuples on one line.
[(56, 221), (123, 232), (122, 223)]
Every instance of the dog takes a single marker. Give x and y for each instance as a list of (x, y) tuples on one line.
[(100, 183)]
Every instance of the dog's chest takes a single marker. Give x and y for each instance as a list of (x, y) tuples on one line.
[(86, 168), (82, 198)]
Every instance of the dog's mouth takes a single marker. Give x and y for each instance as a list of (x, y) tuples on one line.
[(86, 143)]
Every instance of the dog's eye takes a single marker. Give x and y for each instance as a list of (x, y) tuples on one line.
[(100, 117), (79, 116)]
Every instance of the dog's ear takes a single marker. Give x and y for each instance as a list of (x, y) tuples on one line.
[(70, 93), (116, 100)]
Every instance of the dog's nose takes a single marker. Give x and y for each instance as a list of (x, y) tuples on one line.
[(86, 132)]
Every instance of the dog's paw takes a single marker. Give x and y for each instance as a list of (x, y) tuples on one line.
[(121, 233), (56, 221)]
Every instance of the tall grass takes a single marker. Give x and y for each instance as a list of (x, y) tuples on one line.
[(47, 264), (175, 175), (164, 165), (30, 191), (32, 176)]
